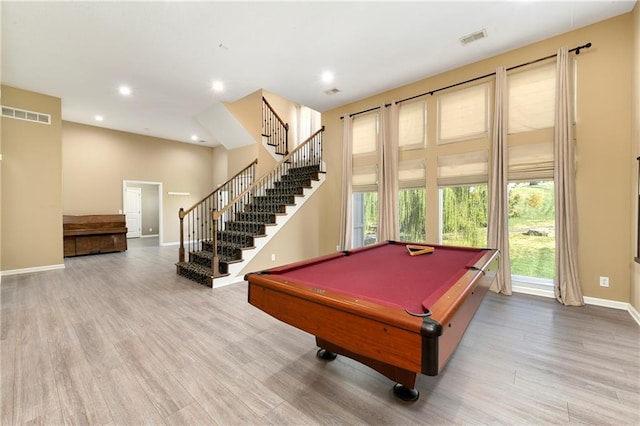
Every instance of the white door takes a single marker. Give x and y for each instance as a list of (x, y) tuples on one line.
[(133, 212)]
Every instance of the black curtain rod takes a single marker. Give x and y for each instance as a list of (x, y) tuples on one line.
[(575, 49)]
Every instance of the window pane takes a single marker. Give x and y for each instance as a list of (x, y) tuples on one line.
[(365, 218), (412, 124), (365, 134), (462, 114), (532, 243), (532, 99), (464, 215), (412, 214)]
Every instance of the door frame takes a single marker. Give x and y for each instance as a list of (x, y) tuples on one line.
[(126, 183)]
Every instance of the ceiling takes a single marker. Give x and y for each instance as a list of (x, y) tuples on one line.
[(170, 53)]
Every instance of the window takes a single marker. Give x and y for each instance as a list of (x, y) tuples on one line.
[(364, 180), (412, 125), (463, 114), (365, 218), (464, 215), (412, 200), (531, 188), (532, 99), (532, 243)]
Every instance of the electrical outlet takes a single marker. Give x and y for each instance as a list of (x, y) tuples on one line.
[(150, 229), (273, 257), (338, 247), (604, 281)]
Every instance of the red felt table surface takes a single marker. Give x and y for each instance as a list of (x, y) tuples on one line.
[(386, 274)]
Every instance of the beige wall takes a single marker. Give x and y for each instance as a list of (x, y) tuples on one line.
[(31, 184), (298, 239), (96, 161), (603, 144), (635, 152)]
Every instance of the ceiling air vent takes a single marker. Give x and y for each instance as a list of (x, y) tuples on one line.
[(23, 114), (473, 37), (332, 91)]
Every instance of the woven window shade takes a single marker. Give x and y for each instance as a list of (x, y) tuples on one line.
[(364, 178), (532, 161), (532, 95), (365, 134), (411, 174), (412, 125), (463, 169), (463, 114)]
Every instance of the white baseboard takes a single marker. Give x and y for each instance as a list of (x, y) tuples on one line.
[(596, 301), (173, 243), (149, 236), (33, 269)]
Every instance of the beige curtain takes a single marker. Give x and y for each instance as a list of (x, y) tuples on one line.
[(498, 229), (567, 285), (345, 211), (388, 217)]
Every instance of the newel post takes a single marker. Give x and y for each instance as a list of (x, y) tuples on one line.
[(181, 250)]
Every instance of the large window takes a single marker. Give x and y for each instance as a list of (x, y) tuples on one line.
[(531, 188), (364, 181)]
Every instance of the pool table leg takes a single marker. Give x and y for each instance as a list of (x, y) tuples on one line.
[(326, 355), (406, 380)]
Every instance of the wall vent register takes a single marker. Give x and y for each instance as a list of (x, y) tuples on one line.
[(23, 114)]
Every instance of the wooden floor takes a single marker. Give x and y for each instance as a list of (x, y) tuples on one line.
[(121, 339)]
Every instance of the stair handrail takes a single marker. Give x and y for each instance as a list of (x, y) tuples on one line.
[(216, 214), (185, 212), (209, 199), (276, 131)]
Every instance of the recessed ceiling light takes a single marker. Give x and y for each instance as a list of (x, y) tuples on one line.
[(194, 137), (327, 76), (124, 90), (217, 86), (99, 118)]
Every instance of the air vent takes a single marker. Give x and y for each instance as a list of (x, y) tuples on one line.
[(23, 114), (332, 91), (473, 37)]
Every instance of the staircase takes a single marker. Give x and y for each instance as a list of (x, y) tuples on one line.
[(218, 234)]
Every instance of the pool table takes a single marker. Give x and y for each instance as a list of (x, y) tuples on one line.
[(398, 313)]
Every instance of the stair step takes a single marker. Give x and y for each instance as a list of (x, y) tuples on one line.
[(259, 217), (238, 237), (284, 199), (257, 229), (266, 208), (304, 169), (197, 273), (285, 191)]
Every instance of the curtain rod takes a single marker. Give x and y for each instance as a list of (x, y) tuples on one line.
[(431, 92)]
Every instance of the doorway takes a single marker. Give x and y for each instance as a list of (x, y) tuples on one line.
[(149, 220)]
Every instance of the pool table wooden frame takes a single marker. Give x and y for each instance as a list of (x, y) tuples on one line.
[(396, 344)]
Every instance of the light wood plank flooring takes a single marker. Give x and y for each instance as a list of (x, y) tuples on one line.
[(121, 339)]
